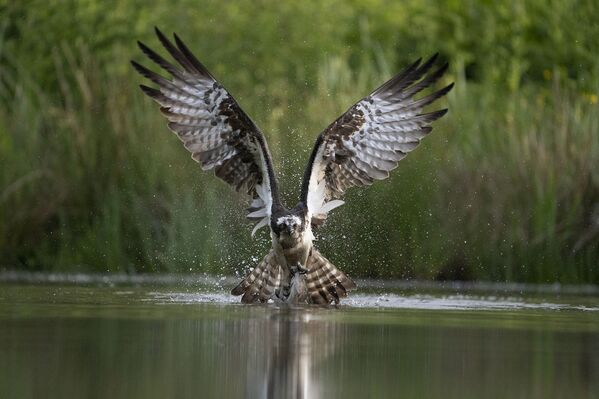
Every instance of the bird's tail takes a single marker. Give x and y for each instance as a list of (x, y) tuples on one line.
[(325, 282), (260, 283)]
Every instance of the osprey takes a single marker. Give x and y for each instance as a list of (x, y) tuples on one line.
[(361, 146)]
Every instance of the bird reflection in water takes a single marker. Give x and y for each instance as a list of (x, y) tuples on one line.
[(288, 345)]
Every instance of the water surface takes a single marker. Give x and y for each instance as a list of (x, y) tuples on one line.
[(171, 341)]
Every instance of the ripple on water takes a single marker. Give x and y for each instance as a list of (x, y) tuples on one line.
[(392, 301)]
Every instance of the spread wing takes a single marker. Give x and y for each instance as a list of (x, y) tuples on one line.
[(370, 138), (212, 126)]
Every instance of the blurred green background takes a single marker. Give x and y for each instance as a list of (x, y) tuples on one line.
[(505, 189)]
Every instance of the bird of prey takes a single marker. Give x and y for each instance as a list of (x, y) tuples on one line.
[(358, 148)]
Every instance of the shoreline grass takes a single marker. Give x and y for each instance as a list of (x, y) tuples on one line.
[(506, 187)]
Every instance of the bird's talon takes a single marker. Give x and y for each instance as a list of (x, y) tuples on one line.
[(302, 270), (298, 269)]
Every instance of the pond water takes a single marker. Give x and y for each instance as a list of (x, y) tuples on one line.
[(182, 341)]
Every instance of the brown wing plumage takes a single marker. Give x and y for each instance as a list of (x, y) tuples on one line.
[(324, 281), (370, 138), (211, 125), (260, 283)]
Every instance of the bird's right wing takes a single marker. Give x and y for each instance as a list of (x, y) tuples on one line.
[(368, 140), (212, 126)]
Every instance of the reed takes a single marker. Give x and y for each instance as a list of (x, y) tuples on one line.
[(505, 188)]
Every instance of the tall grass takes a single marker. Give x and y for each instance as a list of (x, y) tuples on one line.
[(505, 188)]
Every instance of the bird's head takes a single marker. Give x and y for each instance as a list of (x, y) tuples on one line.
[(288, 225)]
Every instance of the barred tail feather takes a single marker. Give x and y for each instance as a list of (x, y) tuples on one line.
[(260, 283), (325, 282)]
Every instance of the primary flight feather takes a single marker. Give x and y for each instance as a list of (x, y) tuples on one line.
[(361, 146)]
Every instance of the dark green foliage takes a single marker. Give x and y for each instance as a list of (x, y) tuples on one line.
[(505, 188)]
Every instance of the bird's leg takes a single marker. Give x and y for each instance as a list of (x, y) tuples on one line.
[(279, 296), (298, 292), (302, 269), (298, 268), (282, 293)]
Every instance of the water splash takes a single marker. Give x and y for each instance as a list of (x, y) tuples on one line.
[(397, 294), (390, 301)]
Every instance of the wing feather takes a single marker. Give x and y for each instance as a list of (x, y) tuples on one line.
[(211, 125), (371, 137)]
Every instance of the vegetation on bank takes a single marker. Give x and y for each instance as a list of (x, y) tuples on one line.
[(505, 188)]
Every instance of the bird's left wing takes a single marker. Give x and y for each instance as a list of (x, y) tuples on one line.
[(212, 126), (370, 138)]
